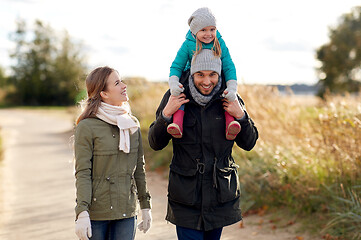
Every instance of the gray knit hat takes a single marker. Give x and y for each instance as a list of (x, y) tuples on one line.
[(206, 61), (201, 18)]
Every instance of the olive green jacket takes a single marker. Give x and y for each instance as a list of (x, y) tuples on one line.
[(107, 179)]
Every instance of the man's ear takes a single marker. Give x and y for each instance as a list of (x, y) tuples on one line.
[(103, 94)]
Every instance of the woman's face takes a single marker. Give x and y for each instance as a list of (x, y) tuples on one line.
[(116, 91), (207, 34)]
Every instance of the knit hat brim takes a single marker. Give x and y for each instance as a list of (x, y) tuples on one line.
[(206, 61)]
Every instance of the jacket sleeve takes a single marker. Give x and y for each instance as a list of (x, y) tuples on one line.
[(139, 175), (227, 63), (158, 136), (248, 136), (83, 147), (180, 61)]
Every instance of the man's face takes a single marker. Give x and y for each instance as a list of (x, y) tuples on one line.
[(205, 81)]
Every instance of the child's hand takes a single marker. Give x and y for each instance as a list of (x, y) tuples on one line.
[(175, 86), (230, 95), (176, 90), (231, 90)]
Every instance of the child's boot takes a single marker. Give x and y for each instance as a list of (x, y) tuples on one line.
[(176, 128), (232, 127)]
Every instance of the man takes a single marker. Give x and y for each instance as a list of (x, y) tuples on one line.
[(203, 190)]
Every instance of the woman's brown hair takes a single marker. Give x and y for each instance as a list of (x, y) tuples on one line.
[(95, 83)]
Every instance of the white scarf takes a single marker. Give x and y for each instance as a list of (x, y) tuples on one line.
[(120, 116)]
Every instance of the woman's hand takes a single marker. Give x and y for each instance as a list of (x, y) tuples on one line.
[(173, 104), (233, 108), (83, 226), (146, 222)]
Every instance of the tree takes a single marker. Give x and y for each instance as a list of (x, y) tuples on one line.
[(68, 72), (3, 79), (47, 68), (3, 82), (341, 58)]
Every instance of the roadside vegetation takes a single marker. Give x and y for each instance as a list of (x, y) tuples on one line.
[(307, 159), (306, 162)]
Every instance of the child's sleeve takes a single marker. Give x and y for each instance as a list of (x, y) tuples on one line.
[(180, 61), (227, 63)]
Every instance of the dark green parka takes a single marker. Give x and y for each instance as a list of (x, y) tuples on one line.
[(108, 181), (203, 190)]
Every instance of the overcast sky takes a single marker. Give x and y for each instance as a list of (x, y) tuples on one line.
[(270, 41)]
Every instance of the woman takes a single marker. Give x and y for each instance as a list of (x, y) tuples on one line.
[(109, 162)]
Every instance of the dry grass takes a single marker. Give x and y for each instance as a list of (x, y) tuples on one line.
[(307, 148), (144, 99), (308, 154), (317, 141)]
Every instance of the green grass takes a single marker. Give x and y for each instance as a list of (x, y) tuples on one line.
[(345, 212)]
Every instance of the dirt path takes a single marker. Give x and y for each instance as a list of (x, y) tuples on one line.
[(37, 190)]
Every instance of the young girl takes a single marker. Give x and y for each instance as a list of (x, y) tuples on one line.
[(202, 34), (109, 162)]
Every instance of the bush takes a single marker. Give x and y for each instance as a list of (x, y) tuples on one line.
[(306, 146)]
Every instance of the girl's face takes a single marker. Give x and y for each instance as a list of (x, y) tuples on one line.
[(207, 34), (116, 91)]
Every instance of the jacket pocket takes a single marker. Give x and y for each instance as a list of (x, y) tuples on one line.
[(182, 187), (100, 196), (105, 152), (228, 184), (132, 201)]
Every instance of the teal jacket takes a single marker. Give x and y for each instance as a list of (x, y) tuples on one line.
[(185, 54)]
